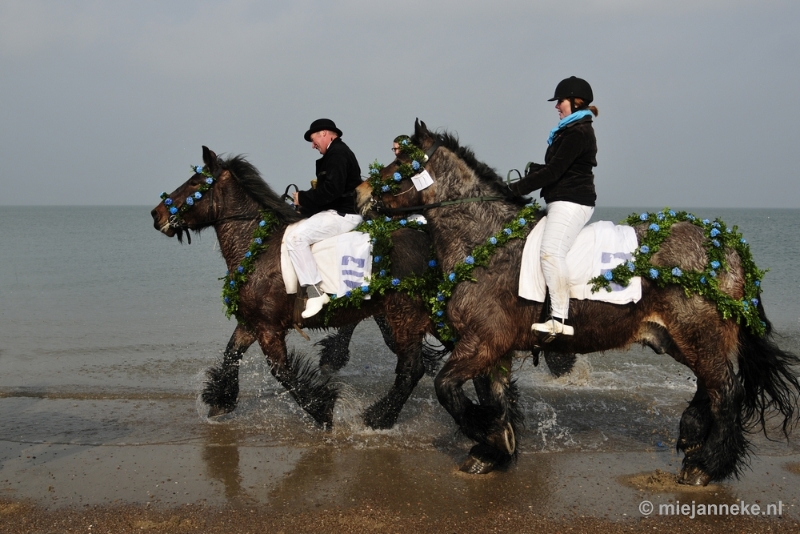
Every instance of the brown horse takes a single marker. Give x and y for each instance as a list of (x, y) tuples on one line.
[(232, 205), (492, 320)]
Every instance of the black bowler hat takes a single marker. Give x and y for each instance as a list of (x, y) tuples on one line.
[(319, 125)]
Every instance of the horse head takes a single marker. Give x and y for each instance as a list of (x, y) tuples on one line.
[(390, 191)]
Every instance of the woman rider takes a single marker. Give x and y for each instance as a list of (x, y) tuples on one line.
[(567, 185)]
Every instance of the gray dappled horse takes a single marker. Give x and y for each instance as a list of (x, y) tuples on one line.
[(492, 320)]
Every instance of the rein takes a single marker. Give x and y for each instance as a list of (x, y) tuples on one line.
[(423, 207)]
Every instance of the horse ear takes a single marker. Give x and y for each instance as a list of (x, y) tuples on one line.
[(209, 158), (420, 130)]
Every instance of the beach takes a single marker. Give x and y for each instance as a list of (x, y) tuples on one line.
[(104, 346)]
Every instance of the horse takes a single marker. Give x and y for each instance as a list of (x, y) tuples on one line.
[(467, 204), (230, 196)]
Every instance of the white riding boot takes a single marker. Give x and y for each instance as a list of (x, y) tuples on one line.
[(554, 327), (316, 300)]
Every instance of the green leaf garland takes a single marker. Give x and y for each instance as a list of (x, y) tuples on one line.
[(705, 283)]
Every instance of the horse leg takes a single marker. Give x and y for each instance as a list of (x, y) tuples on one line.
[(486, 424), (558, 363), (711, 430), (222, 387), (300, 377), (336, 349), (498, 390)]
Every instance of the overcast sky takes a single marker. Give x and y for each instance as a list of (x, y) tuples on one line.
[(109, 102)]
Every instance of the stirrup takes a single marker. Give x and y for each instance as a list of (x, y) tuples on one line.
[(554, 328)]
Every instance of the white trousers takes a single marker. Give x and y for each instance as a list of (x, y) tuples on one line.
[(562, 226), (301, 235)]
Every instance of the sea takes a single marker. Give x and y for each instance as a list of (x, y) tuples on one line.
[(107, 328)]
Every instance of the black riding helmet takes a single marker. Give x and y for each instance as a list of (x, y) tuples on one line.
[(573, 87)]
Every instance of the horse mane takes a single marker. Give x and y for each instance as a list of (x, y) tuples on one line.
[(484, 172), (256, 188)]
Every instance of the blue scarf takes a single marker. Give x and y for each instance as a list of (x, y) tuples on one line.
[(569, 119)]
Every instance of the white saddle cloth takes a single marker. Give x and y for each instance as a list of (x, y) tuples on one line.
[(600, 246), (343, 262)]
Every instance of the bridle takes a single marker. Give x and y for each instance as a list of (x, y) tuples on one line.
[(378, 205)]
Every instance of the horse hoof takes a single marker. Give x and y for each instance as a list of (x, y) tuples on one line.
[(380, 416), (476, 466), (504, 440), (694, 476), (216, 411)]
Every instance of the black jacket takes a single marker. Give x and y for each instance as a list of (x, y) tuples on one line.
[(338, 174), (567, 170)]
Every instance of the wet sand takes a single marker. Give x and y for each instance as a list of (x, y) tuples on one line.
[(222, 479)]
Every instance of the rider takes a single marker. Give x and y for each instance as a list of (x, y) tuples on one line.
[(330, 204), (567, 185)]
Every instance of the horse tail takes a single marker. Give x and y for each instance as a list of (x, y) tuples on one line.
[(768, 377)]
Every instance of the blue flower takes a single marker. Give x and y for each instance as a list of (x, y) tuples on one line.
[(715, 243), (374, 170), (469, 260), (377, 259), (451, 277), (395, 282), (232, 283), (702, 279), (163, 194), (209, 181), (644, 216), (403, 222), (190, 201), (247, 254), (369, 222), (493, 240), (676, 272), (715, 224), (385, 189), (728, 230), (714, 232), (262, 223), (713, 274), (404, 142), (743, 241), (522, 221), (347, 293), (240, 269), (690, 217), (608, 275), (383, 272), (440, 297), (387, 219), (226, 300), (415, 165), (654, 227), (715, 264), (397, 177), (198, 195), (644, 249), (660, 216), (745, 305), (653, 273), (507, 231), (168, 201), (439, 313), (432, 263), (440, 324), (671, 213), (365, 289), (173, 210), (631, 267), (705, 221), (198, 169), (258, 241), (754, 301), (757, 283)]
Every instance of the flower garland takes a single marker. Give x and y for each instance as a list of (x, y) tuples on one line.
[(234, 280), (405, 170), (704, 283), (205, 186), (481, 254), (380, 231)]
